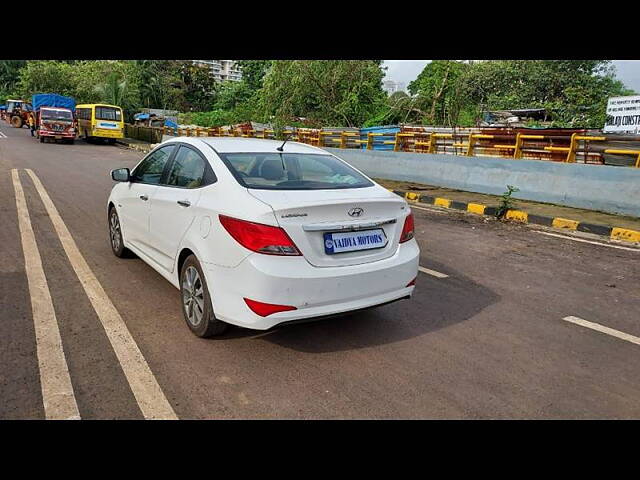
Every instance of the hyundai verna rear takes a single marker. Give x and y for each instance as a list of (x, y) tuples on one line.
[(257, 234)]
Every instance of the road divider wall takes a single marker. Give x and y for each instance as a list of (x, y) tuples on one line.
[(594, 187)]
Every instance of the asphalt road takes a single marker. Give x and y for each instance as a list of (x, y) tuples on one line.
[(487, 341)]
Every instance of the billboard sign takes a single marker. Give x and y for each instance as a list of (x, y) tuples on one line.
[(623, 115)]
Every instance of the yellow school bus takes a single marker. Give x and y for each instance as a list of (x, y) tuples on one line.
[(98, 120)]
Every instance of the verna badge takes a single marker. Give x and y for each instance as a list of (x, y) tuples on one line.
[(356, 212)]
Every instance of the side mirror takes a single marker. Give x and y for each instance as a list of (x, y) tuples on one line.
[(120, 174)]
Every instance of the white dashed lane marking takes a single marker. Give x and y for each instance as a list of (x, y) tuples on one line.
[(145, 387), (433, 273), (601, 328), (582, 240), (55, 382)]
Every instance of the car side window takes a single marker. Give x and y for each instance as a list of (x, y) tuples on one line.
[(188, 169), (151, 168)]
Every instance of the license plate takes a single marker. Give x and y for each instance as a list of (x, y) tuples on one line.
[(58, 137), (341, 242)]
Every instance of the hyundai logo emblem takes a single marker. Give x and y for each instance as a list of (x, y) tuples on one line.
[(356, 212)]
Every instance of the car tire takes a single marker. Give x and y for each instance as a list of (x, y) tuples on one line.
[(115, 235), (41, 139), (196, 302)]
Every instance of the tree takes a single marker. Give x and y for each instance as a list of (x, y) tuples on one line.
[(327, 92), (45, 76), (436, 88), (159, 84), (113, 90), (253, 72), (574, 91), (9, 73), (198, 86)]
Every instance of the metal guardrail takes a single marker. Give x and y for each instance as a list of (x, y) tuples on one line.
[(469, 142)]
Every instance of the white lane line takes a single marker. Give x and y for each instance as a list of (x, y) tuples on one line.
[(582, 240), (2, 135), (433, 209), (57, 391), (603, 329), (432, 272), (145, 388)]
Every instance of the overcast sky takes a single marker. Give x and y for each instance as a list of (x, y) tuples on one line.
[(407, 70)]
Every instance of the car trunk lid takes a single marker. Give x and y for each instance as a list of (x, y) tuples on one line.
[(307, 215)]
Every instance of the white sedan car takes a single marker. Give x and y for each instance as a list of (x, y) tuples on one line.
[(256, 233)]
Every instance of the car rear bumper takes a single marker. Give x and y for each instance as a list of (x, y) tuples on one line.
[(314, 291)]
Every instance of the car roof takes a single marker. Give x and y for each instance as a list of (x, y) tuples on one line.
[(252, 145)]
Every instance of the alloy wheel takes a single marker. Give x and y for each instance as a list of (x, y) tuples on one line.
[(193, 295), (114, 231)]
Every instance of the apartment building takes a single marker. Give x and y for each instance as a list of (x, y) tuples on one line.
[(223, 69), (390, 86)]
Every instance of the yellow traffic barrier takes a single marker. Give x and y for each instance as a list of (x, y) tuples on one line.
[(472, 141), (418, 141), (583, 137), (616, 151), (517, 153)]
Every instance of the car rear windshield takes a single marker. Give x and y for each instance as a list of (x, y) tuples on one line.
[(56, 115), (108, 113), (292, 171)]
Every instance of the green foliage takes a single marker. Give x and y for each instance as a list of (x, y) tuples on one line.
[(9, 74), (159, 82), (453, 93), (214, 118), (437, 88), (506, 202), (253, 72), (113, 90), (46, 76), (574, 91), (197, 84), (326, 92)]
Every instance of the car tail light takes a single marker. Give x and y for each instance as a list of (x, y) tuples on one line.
[(407, 229), (258, 237), (266, 309)]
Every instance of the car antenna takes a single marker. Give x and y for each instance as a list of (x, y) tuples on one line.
[(281, 147)]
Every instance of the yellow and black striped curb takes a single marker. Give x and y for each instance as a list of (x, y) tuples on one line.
[(614, 233)]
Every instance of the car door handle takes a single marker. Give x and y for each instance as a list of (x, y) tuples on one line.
[(184, 203), (144, 197)]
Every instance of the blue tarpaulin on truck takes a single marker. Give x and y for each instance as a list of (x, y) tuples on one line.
[(52, 100)]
